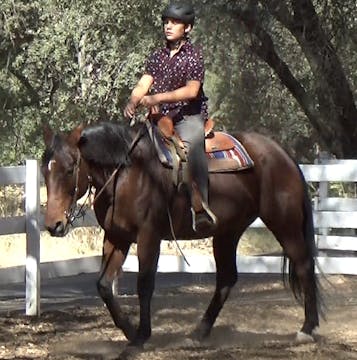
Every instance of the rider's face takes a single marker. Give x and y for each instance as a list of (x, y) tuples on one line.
[(175, 29)]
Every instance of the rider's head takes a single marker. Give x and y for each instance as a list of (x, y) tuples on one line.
[(179, 11), (178, 19)]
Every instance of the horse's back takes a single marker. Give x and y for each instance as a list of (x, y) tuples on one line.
[(270, 159), (281, 184), (262, 147)]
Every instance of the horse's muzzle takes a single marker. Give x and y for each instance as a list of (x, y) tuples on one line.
[(58, 230)]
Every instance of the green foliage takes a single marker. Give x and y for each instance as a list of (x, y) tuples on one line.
[(66, 62), (246, 92)]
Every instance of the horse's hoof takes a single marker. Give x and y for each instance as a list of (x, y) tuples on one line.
[(201, 333), (190, 343), (129, 330), (130, 352), (303, 338), (130, 334), (139, 340)]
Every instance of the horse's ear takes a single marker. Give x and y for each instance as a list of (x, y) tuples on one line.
[(47, 134), (76, 134)]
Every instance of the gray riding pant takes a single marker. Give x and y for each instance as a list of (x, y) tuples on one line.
[(191, 130)]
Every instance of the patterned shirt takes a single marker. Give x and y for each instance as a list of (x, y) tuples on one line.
[(172, 73)]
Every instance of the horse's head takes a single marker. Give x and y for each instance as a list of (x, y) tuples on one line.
[(66, 178)]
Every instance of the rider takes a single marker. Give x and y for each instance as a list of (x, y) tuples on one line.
[(175, 75)]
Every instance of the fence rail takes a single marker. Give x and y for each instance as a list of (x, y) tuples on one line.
[(330, 213)]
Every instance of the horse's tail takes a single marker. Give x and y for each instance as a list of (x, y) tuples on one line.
[(309, 237)]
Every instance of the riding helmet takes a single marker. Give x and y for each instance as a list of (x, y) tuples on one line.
[(179, 11)]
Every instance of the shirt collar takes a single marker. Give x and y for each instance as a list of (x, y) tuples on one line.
[(184, 47)]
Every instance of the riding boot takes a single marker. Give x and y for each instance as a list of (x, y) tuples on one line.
[(203, 219), (191, 130)]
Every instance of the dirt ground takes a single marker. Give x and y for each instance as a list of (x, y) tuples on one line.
[(259, 321)]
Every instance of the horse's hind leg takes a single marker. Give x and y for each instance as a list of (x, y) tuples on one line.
[(302, 275), (112, 261), (224, 250)]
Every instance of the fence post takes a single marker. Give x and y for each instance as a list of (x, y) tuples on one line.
[(322, 194), (32, 188)]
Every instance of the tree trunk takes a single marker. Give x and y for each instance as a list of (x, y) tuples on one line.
[(335, 95), (334, 117)]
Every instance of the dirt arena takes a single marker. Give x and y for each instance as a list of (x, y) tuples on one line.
[(259, 321)]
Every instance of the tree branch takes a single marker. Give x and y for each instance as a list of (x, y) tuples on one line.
[(33, 94), (263, 47), (332, 85), (335, 118), (280, 11)]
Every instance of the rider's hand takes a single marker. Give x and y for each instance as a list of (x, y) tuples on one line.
[(150, 101), (129, 110)]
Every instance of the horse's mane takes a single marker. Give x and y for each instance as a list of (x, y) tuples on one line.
[(105, 144)]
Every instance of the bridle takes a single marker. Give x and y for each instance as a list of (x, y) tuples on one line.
[(74, 212)]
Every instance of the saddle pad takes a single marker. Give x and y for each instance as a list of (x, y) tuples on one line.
[(234, 159), (229, 160)]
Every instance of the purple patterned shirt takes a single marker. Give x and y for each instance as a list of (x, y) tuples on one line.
[(172, 73)]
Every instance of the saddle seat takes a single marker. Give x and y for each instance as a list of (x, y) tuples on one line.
[(224, 152), (214, 141)]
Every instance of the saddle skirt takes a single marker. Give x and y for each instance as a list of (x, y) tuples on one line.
[(224, 152)]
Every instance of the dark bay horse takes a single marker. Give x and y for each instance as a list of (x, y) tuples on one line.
[(135, 195)]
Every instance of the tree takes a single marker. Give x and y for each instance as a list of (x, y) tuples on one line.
[(68, 62), (285, 68), (326, 95)]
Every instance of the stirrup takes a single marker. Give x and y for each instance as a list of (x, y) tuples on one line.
[(211, 217)]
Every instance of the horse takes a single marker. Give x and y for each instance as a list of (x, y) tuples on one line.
[(136, 201)]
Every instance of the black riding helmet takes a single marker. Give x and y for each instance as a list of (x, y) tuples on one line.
[(179, 11)]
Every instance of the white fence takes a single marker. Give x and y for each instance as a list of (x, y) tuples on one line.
[(329, 213), (29, 224)]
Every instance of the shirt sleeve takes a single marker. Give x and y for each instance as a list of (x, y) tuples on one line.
[(196, 68), (152, 63)]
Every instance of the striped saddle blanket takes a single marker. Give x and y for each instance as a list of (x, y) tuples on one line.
[(232, 157), (224, 152)]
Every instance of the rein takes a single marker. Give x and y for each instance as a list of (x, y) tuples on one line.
[(136, 139), (174, 237), (75, 213)]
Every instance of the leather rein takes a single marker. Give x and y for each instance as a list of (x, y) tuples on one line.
[(74, 212), (134, 142)]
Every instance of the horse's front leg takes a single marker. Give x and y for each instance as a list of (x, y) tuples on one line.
[(112, 262), (148, 250)]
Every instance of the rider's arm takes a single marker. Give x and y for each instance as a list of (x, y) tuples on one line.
[(184, 93), (187, 92), (140, 90)]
